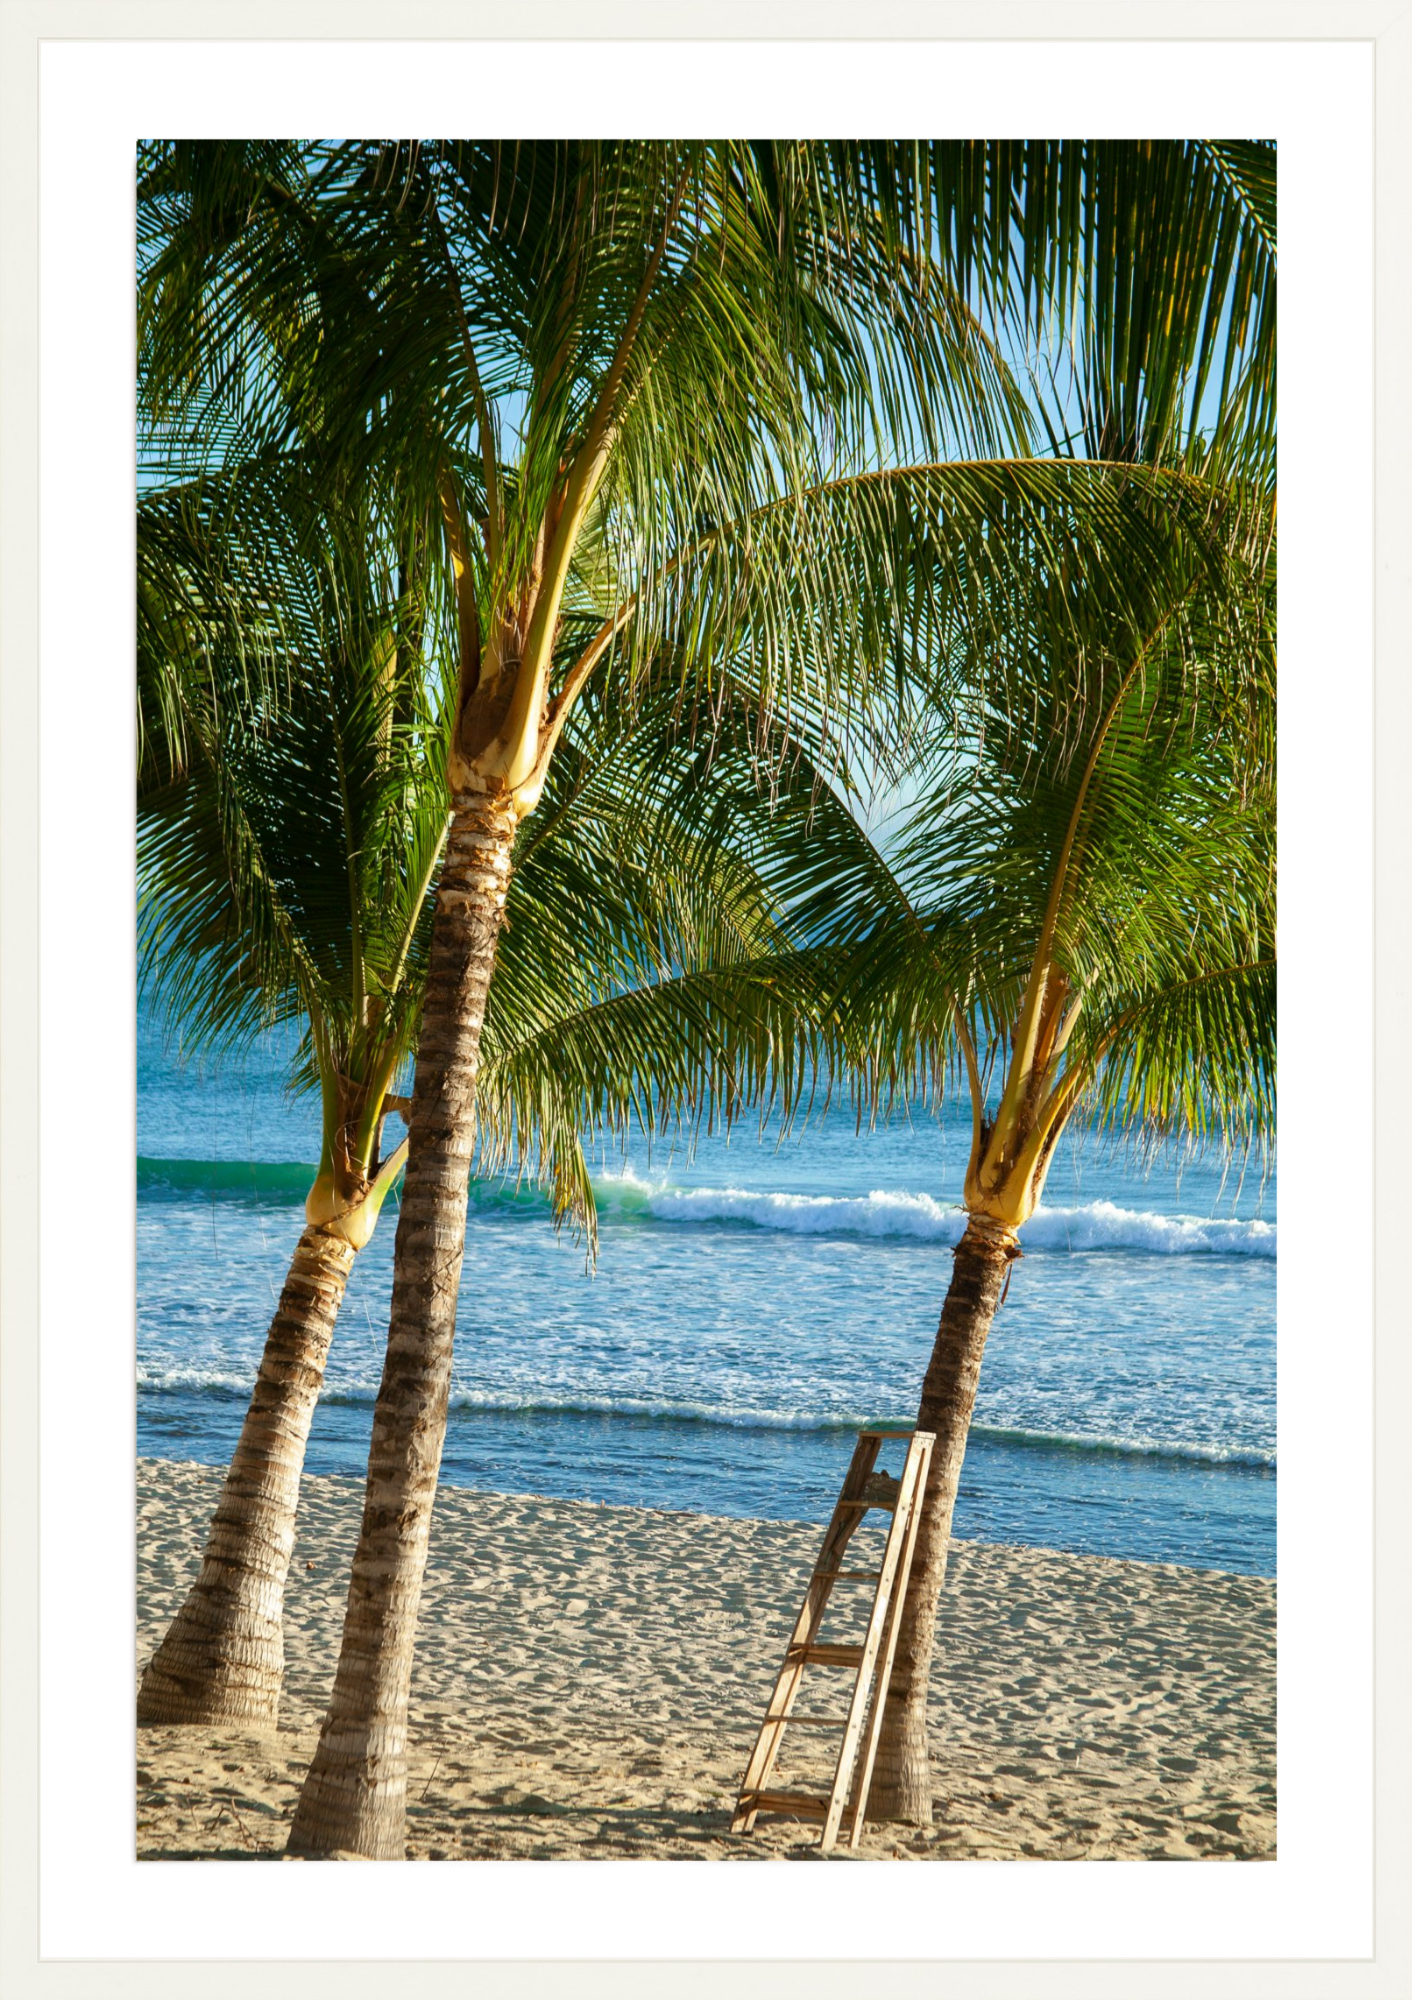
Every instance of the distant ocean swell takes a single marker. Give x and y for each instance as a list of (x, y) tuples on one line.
[(195, 1381), (1096, 1225), (277, 1180)]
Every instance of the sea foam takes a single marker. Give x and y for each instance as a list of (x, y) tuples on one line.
[(670, 1411), (1096, 1225)]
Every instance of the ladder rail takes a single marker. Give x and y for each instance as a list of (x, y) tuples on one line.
[(891, 1633), (842, 1525), (887, 1595), (903, 1498)]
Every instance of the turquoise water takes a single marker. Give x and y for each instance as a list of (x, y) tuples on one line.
[(755, 1301)]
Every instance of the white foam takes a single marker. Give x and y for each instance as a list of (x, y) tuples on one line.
[(1102, 1225), (878, 1214), (209, 1381), (1096, 1225), (534, 1402)]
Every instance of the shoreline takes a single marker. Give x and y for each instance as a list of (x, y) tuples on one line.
[(590, 1677), (1021, 1490)]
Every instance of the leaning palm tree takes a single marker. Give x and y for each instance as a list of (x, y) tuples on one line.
[(1077, 912), (290, 820), (291, 813), (700, 362), (1092, 906)]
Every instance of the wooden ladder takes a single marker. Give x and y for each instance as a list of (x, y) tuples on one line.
[(862, 1488)]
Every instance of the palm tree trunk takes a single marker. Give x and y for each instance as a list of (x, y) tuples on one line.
[(354, 1798), (901, 1787), (222, 1659)]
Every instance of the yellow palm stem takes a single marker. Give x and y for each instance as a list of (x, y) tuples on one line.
[(973, 1078), (578, 493), (1027, 1029), (467, 612), (374, 1109)]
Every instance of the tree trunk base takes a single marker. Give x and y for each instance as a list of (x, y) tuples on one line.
[(330, 1854), (901, 1790), (342, 1818), (222, 1657), (200, 1675)]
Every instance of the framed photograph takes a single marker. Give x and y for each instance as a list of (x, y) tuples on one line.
[(692, 988)]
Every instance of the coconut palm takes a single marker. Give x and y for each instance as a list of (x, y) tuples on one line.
[(1076, 912), (684, 360), (291, 813), (1114, 884), (290, 821)]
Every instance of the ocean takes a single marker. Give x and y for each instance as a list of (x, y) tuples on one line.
[(756, 1299)]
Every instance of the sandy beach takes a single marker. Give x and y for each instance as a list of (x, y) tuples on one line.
[(589, 1681)]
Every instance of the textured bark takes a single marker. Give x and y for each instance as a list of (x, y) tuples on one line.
[(901, 1787), (222, 1659), (354, 1798)]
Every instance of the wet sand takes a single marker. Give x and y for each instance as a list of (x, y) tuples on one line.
[(589, 1681)]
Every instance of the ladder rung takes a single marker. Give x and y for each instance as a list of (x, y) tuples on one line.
[(803, 1804), (871, 1660), (873, 1432), (827, 1656)]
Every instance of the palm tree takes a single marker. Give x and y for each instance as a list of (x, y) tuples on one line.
[(291, 813), (677, 358), (1088, 913), (290, 822), (1076, 911)]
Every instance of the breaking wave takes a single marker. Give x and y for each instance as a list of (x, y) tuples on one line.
[(1095, 1225), (890, 1214)]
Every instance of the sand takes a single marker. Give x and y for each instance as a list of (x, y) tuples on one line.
[(589, 1681)]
